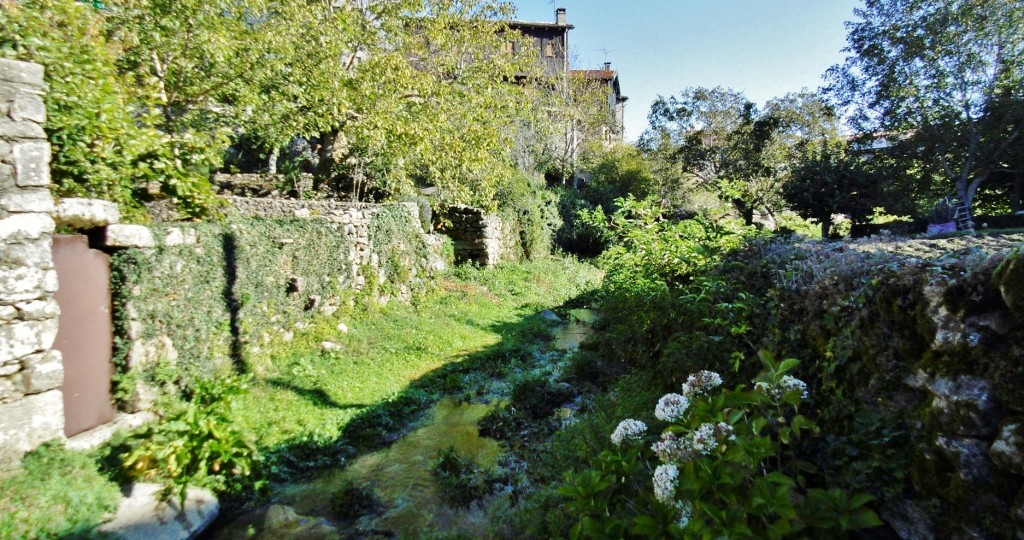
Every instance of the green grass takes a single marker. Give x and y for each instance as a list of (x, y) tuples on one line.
[(57, 494), (302, 395)]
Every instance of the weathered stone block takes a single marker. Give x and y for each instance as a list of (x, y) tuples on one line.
[(1010, 277), (11, 387), (37, 200), (34, 253), (144, 352), (29, 422), (39, 310), (31, 164), (10, 368), (22, 227), (28, 107), (969, 457), (21, 130), (964, 406), (128, 236), (21, 72), (8, 313), (23, 338), (42, 372), (1007, 451), (23, 283), (5, 149), (86, 213), (6, 177), (178, 237), (50, 282)]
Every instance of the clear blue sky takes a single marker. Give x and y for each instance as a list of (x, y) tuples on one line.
[(763, 48)]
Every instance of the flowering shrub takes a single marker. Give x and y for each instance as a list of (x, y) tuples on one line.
[(723, 468)]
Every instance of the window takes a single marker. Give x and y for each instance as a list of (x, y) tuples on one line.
[(549, 49)]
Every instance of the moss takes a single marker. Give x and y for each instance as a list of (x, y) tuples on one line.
[(1009, 278)]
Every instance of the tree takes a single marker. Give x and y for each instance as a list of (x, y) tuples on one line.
[(742, 154), (943, 79), (828, 181), (104, 137), (710, 134), (403, 93)]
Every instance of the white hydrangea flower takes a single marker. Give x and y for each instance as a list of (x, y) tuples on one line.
[(672, 449), (786, 384), (701, 382), (685, 513), (704, 439), (628, 430), (789, 384), (724, 431), (671, 407), (666, 479)]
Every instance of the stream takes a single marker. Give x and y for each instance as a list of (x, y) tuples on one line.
[(392, 492)]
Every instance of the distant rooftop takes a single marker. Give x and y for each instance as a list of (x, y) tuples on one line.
[(560, 22)]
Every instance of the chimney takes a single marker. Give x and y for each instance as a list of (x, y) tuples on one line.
[(607, 66), (560, 16)]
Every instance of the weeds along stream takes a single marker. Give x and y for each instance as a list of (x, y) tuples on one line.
[(379, 435)]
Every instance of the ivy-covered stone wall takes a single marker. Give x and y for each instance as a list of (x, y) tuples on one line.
[(31, 373), (915, 354), (209, 295)]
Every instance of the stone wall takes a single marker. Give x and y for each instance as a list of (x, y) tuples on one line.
[(258, 277), (480, 238), (31, 373), (355, 220), (914, 355)]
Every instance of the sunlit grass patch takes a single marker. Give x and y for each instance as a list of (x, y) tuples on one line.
[(310, 388)]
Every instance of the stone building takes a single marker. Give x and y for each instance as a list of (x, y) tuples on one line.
[(608, 79), (549, 40)]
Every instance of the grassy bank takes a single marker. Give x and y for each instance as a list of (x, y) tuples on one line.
[(311, 405), (390, 361)]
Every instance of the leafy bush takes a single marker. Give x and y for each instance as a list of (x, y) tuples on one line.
[(196, 444), (103, 129), (725, 468), (524, 202), (611, 173)]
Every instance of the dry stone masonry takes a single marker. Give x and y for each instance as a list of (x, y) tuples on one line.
[(354, 218), (31, 404), (479, 238)]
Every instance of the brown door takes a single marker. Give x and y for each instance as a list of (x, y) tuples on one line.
[(85, 337)]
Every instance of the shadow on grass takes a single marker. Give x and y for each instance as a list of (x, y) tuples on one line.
[(316, 396), (381, 424)]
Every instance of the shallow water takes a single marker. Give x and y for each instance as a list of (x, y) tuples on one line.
[(400, 476), (569, 336)]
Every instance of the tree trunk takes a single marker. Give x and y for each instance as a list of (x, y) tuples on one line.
[(272, 160), (746, 211), (826, 227)]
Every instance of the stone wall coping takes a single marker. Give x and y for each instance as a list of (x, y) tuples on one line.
[(86, 213), (18, 72)]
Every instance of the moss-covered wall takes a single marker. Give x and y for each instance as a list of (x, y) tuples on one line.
[(209, 295), (916, 361)]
